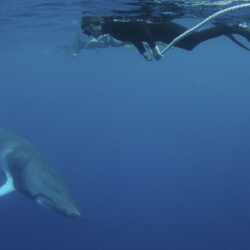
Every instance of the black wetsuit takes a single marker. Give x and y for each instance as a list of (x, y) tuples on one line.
[(137, 32)]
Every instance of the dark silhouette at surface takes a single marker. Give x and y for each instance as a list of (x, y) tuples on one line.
[(137, 31)]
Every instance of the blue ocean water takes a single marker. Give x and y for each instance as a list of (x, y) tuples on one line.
[(156, 154)]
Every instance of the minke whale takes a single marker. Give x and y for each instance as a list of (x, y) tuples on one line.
[(27, 172)]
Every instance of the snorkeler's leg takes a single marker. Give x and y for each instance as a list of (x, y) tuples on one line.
[(197, 37), (240, 29), (243, 30)]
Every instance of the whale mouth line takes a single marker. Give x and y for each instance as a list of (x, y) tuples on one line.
[(47, 202)]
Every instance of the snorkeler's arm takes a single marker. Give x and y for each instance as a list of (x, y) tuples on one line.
[(110, 41), (146, 54), (95, 43), (116, 43)]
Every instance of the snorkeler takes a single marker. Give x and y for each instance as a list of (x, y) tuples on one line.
[(137, 31)]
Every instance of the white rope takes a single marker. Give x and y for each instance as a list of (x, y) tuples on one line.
[(188, 32)]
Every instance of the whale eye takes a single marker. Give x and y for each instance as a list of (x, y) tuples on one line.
[(44, 201), (66, 211)]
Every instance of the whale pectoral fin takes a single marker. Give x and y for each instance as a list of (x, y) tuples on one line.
[(8, 186)]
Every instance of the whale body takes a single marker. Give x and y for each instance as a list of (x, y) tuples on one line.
[(27, 172)]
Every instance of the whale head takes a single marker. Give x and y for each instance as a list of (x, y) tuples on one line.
[(33, 177), (27, 172)]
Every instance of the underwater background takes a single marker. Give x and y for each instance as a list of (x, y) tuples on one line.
[(156, 154)]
